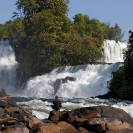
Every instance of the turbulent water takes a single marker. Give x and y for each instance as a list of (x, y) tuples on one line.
[(90, 80), (8, 67)]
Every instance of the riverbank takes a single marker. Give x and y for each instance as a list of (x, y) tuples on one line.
[(96, 119)]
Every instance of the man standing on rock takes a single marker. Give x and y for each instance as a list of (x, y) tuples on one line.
[(56, 104)]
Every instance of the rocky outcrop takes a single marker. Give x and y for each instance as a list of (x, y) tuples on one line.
[(96, 119), (60, 127), (17, 119), (14, 118)]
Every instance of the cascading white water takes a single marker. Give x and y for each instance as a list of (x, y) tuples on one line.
[(91, 80), (8, 66), (113, 52)]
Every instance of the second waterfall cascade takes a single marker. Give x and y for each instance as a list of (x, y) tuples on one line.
[(91, 79)]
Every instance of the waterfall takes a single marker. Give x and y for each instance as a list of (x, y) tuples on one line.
[(91, 80), (8, 66), (113, 52)]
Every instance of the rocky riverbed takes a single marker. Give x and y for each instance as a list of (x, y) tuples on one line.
[(95, 119)]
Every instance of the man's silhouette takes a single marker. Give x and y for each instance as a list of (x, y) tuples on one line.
[(56, 104)]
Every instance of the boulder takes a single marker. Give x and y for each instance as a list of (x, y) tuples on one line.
[(2, 92), (54, 116), (66, 127), (65, 80), (122, 131), (83, 130), (6, 101), (14, 118), (60, 81), (98, 119), (70, 78), (60, 127), (17, 128)]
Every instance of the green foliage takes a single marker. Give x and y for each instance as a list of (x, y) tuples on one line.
[(80, 23), (85, 26), (44, 37), (94, 28), (17, 35), (30, 7), (112, 33), (122, 81), (42, 43), (3, 31), (47, 31), (117, 80), (129, 52), (97, 29)]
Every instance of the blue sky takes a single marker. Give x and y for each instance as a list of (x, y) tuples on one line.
[(113, 11)]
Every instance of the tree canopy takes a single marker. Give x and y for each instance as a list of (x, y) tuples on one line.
[(43, 37)]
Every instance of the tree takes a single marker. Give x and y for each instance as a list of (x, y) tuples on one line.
[(128, 54), (46, 27), (97, 29), (44, 37), (42, 43), (112, 33), (118, 32), (3, 31), (122, 81), (82, 24), (79, 23), (17, 35), (128, 59), (30, 7)]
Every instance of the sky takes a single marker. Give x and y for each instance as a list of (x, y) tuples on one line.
[(113, 11)]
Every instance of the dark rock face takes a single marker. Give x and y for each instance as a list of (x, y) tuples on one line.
[(68, 78), (108, 96), (60, 81)]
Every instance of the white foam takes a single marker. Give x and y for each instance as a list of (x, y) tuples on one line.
[(8, 65), (113, 52), (41, 109), (91, 80)]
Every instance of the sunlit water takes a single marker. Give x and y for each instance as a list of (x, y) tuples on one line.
[(90, 80), (41, 107)]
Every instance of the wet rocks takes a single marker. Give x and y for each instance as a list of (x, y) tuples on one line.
[(14, 118), (96, 119)]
